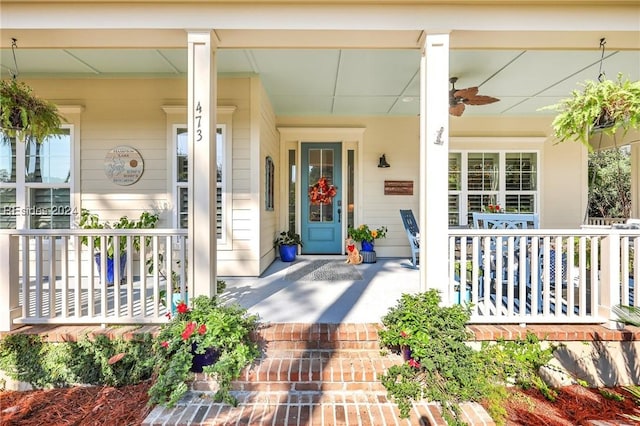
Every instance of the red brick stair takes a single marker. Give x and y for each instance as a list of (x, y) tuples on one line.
[(309, 374)]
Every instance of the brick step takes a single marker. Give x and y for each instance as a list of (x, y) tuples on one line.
[(304, 337), (311, 371), (305, 408)]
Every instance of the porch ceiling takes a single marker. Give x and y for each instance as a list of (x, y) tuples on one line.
[(345, 79)]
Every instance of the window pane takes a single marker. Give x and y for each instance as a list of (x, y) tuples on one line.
[(219, 154), (454, 209), (49, 208), (455, 171), (320, 166), (520, 203), (7, 159), (483, 172), (520, 172), (182, 150), (49, 161), (182, 177), (478, 203), (183, 208), (8, 209)]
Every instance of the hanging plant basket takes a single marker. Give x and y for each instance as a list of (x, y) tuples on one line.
[(605, 106), (24, 115)]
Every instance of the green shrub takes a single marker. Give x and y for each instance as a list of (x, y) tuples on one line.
[(444, 368), (28, 358)]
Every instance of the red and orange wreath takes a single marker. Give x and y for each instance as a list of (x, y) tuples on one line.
[(322, 192)]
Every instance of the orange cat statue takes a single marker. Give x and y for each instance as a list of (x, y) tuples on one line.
[(353, 254)]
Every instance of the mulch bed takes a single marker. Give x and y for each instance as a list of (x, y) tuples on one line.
[(575, 405), (127, 406), (81, 405)]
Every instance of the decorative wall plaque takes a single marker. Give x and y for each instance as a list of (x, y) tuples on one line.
[(123, 165), (398, 187)]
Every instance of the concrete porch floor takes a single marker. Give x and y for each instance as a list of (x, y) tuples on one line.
[(278, 300)]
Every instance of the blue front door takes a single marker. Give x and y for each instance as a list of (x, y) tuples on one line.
[(321, 208)]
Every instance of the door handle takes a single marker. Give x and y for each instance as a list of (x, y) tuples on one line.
[(339, 212)]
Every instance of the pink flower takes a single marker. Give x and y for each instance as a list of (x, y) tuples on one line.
[(164, 344), (202, 329), (413, 363), (403, 334), (188, 330)]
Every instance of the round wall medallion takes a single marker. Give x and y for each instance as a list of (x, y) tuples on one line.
[(123, 165)]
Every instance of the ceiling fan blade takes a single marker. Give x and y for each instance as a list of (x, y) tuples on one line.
[(466, 93), (456, 110), (480, 100)]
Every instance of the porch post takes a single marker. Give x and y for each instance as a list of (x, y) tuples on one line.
[(635, 180), (201, 118), (434, 151), (609, 278), (9, 285)]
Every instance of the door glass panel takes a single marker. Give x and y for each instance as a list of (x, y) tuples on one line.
[(321, 189), (292, 190), (350, 188)]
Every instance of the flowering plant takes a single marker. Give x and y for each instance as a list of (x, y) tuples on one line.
[(207, 326), (493, 208), (363, 233)]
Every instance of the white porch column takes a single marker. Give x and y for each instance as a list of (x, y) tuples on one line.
[(10, 308), (635, 180), (434, 152), (201, 117)]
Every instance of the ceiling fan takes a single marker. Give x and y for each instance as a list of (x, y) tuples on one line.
[(458, 98)]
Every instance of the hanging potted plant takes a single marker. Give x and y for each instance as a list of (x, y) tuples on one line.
[(23, 115), (607, 106)]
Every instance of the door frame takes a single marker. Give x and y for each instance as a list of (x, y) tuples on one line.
[(292, 138)]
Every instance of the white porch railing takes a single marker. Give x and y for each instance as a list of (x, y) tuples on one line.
[(509, 276), (51, 277), (543, 276)]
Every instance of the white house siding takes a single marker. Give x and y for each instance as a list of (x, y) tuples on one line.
[(130, 112), (269, 146)]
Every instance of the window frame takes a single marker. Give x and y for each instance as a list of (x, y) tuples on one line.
[(23, 187), (224, 122), (501, 193)]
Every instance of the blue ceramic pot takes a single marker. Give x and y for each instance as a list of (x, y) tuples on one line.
[(209, 357), (367, 246), (288, 252), (110, 262)]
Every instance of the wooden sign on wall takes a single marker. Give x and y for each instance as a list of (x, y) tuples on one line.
[(398, 187)]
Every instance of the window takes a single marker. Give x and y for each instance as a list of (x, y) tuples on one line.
[(181, 180), (269, 170), (36, 182), (478, 179)]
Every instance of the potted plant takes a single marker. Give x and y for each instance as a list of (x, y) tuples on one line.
[(90, 220), (23, 115), (287, 244), (607, 106), (216, 336), (367, 236)]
